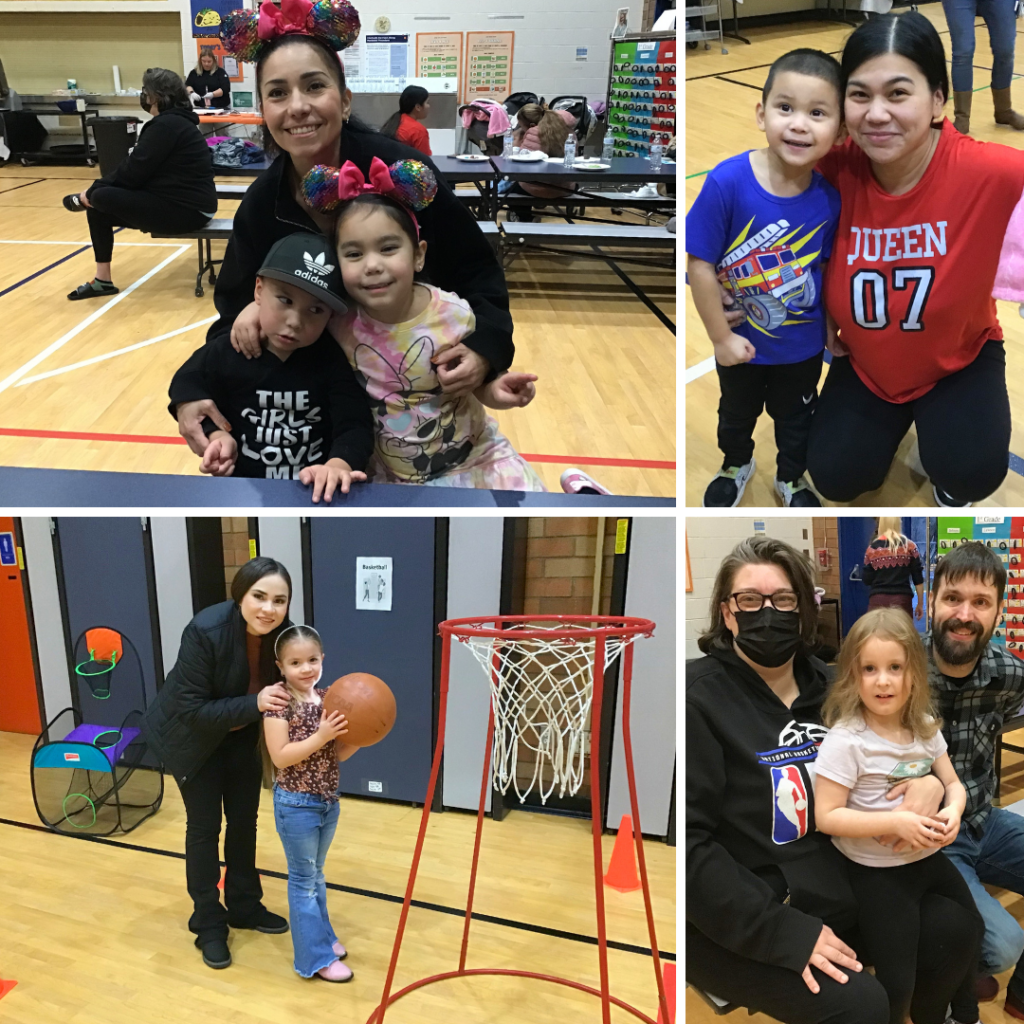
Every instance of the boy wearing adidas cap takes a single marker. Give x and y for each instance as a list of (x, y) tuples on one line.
[(296, 412)]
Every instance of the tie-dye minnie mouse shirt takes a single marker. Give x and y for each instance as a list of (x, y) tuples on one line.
[(422, 436)]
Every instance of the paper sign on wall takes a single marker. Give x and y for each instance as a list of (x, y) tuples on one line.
[(373, 583), (488, 66)]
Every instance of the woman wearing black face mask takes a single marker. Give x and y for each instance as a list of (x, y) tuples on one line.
[(165, 183), (770, 914)]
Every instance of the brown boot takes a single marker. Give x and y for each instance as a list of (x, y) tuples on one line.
[(1005, 114), (962, 112)]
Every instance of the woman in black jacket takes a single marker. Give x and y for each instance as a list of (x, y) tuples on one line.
[(307, 122), (164, 184), (209, 82), (205, 726), (770, 914)]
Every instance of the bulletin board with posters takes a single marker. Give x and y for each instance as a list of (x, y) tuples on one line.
[(439, 55), (232, 66), (1005, 536), (488, 66)]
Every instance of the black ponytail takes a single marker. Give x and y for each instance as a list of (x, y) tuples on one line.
[(412, 96)]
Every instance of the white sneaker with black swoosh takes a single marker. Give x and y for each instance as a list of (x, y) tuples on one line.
[(727, 486)]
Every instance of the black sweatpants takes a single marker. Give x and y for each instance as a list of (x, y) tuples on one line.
[(789, 392), (230, 779), (963, 431), (134, 208), (889, 920), (947, 942)]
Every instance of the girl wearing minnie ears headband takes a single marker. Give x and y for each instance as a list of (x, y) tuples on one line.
[(306, 744), (307, 113), (400, 326)]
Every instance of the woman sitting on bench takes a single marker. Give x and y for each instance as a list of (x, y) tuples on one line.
[(770, 914), (165, 183)]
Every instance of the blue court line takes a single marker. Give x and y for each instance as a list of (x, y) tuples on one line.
[(38, 273), (1017, 464)]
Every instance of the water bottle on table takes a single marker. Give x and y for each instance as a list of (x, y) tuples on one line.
[(655, 157), (608, 149), (506, 150), (570, 151)]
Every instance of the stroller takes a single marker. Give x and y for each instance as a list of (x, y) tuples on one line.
[(485, 125)]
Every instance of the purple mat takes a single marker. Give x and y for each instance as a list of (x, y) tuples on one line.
[(88, 734)]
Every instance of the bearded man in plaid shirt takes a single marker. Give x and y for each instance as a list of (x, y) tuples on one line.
[(976, 686)]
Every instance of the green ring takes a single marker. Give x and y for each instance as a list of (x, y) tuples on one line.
[(108, 746), (67, 818)]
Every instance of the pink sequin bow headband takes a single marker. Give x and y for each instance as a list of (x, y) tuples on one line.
[(408, 182), (246, 34)]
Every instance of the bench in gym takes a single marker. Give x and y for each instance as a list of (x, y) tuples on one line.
[(219, 228)]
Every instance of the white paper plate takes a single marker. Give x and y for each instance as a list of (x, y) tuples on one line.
[(592, 165), (529, 158), (474, 157)]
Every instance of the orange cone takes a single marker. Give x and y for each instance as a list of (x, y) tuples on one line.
[(5, 987), (669, 975), (622, 868), (220, 884)]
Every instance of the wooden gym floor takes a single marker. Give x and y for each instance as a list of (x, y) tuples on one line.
[(722, 91), (606, 363), (96, 932), (698, 1012)]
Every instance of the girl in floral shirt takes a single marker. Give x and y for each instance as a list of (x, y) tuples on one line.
[(305, 745)]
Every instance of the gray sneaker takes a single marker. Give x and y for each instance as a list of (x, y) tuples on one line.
[(727, 486)]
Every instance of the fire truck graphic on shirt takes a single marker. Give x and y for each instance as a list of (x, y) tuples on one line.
[(770, 275)]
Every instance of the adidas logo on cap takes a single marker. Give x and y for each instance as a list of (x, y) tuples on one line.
[(318, 265)]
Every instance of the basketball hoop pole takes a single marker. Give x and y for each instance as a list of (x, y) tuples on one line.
[(595, 821)]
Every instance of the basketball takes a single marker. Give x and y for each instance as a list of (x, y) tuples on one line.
[(368, 704)]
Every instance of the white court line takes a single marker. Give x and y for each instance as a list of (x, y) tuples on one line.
[(116, 352), (85, 241), (92, 318), (705, 366)]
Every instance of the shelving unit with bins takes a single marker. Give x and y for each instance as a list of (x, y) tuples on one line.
[(642, 92), (701, 14)]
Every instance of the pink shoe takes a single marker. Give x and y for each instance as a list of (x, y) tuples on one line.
[(335, 972), (575, 481), (339, 951)]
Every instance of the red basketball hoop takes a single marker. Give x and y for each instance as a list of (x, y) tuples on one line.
[(544, 689)]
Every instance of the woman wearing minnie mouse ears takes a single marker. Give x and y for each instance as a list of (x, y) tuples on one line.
[(306, 108)]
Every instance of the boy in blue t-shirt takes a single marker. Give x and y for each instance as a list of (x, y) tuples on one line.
[(761, 228)]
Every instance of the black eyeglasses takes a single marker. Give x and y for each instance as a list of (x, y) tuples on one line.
[(754, 600)]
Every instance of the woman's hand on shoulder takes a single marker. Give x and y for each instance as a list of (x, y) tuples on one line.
[(273, 698), (246, 336)]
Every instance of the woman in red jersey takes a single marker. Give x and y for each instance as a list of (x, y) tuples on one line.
[(909, 284)]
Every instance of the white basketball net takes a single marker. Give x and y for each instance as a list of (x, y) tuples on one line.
[(541, 690)]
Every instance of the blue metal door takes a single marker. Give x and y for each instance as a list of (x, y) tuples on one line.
[(396, 645)]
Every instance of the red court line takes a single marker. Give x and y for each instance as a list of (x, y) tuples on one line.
[(72, 435)]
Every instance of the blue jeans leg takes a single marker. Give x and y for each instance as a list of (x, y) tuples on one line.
[(306, 825), (1002, 33), (960, 16), (998, 859)]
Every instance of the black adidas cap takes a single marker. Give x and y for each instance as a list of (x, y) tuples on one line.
[(308, 262)]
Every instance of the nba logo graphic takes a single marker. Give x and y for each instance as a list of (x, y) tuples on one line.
[(72, 757), (789, 809)]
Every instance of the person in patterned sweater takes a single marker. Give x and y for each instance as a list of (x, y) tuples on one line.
[(891, 564), (976, 686)]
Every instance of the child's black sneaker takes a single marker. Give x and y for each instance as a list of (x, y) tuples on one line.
[(215, 953), (944, 500), (94, 289), (728, 485), (798, 494), (74, 203)]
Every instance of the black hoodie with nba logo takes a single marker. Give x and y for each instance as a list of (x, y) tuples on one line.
[(760, 881)]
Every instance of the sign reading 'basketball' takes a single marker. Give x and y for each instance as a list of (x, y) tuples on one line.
[(373, 583)]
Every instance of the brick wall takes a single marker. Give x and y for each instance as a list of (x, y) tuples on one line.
[(560, 566), (235, 531)]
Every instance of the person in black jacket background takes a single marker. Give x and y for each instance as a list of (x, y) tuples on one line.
[(205, 726), (308, 122), (770, 916), (892, 565), (209, 82), (165, 184)]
